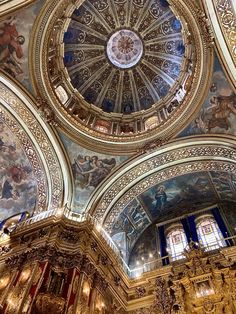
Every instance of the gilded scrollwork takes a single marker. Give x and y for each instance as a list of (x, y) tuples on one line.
[(227, 19), (202, 282)]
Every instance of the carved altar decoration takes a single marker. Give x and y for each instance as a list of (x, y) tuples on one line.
[(18, 291), (50, 299), (58, 274), (205, 284), (168, 300), (49, 303), (83, 304)]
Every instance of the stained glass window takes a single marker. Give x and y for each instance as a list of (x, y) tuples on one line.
[(209, 234), (176, 243)]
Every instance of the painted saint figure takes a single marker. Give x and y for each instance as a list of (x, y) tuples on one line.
[(161, 198), (90, 171), (7, 190), (11, 48)]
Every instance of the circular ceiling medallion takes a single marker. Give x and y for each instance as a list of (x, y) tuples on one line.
[(124, 49), (120, 73)]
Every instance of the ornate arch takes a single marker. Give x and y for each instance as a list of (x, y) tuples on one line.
[(190, 155), (39, 143)]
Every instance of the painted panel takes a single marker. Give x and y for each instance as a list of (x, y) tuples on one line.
[(18, 187), (218, 114), (130, 224), (89, 170), (146, 248), (182, 194), (229, 214), (14, 41), (225, 185)]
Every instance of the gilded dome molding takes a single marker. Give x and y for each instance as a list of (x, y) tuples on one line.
[(216, 153), (53, 21)]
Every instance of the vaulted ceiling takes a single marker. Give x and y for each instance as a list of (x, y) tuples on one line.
[(133, 101)]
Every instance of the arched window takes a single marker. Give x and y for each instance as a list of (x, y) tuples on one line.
[(176, 243), (209, 233)]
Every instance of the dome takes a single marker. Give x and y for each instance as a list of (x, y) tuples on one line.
[(137, 66)]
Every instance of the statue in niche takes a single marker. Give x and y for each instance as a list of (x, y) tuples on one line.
[(56, 283)]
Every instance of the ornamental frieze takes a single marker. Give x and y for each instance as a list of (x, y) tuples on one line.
[(227, 20)]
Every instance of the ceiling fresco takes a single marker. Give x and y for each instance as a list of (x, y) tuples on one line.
[(218, 113), (89, 169), (228, 210), (117, 81), (125, 56), (130, 224), (15, 32), (145, 249), (18, 185), (182, 194)]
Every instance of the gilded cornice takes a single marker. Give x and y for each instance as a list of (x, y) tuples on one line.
[(51, 19), (227, 20)]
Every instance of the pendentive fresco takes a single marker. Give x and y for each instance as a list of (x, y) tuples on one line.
[(18, 186)]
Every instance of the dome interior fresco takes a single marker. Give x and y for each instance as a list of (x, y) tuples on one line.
[(129, 48), (120, 71)]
